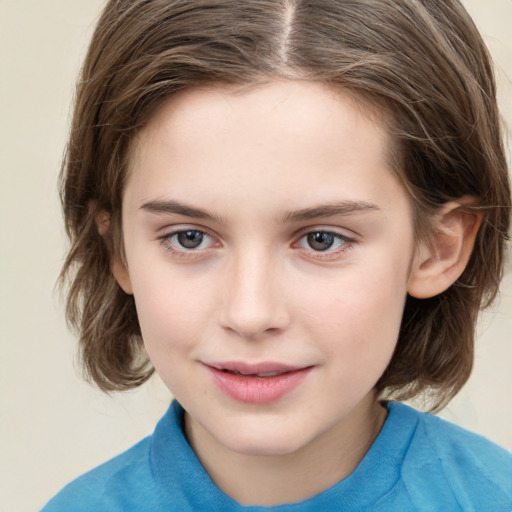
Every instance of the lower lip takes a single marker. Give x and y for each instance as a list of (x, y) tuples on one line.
[(257, 390)]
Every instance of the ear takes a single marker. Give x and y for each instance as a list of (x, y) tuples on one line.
[(117, 266), (441, 261)]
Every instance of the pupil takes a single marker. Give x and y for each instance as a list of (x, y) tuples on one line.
[(320, 241), (190, 239)]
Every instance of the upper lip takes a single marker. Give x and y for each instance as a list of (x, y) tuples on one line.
[(255, 368)]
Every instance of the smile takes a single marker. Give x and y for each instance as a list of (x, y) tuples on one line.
[(256, 384)]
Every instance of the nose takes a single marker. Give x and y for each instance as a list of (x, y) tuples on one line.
[(255, 304)]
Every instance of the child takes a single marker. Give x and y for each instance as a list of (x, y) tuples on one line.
[(293, 212)]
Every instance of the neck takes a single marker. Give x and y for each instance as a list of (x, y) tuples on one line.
[(292, 477)]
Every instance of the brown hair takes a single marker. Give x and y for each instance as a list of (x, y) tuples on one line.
[(422, 61)]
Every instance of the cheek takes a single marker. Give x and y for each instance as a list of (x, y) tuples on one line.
[(359, 314), (171, 324), (171, 310)]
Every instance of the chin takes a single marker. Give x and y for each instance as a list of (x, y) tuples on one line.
[(262, 442)]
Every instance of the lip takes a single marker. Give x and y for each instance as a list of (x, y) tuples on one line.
[(260, 383)]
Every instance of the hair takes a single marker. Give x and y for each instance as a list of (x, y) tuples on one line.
[(421, 63)]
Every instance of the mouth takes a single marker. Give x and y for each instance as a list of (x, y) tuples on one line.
[(265, 369), (257, 383), (258, 374)]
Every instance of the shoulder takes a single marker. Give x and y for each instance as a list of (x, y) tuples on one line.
[(105, 487), (468, 468)]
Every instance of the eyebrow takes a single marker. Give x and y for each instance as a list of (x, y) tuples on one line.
[(161, 207), (329, 210)]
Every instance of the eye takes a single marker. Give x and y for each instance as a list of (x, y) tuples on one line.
[(186, 240), (191, 239), (324, 241), (320, 241)]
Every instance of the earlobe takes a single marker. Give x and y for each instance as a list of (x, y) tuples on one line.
[(117, 267), (441, 261), (121, 275)]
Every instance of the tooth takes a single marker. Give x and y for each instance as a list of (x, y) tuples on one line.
[(268, 374)]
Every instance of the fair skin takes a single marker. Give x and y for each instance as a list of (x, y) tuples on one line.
[(265, 232)]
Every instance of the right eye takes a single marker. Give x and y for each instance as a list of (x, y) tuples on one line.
[(186, 240), (191, 239)]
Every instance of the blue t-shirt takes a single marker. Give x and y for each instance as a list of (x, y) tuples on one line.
[(417, 463)]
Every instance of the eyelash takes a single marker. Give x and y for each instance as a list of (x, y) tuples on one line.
[(177, 250)]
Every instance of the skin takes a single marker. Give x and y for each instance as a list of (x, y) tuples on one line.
[(259, 162)]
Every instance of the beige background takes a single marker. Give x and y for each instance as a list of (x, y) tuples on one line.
[(53, 426)]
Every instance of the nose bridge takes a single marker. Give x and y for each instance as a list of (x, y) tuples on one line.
[(254, 303)]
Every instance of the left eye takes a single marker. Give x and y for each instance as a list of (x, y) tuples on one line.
[(322, 241)]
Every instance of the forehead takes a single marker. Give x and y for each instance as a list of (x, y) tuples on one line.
[(304, 137)]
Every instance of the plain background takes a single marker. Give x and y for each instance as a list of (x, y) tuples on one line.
[(54, 426)]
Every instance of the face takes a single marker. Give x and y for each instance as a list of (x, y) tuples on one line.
[(268, 247)]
